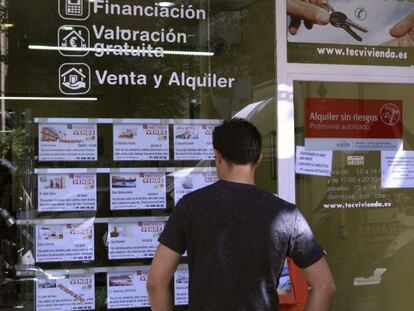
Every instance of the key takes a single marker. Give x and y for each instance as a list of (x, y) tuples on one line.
[(339, 19), (356, 26)]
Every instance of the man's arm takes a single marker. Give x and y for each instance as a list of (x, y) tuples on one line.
[(162, 270), (322, 286)]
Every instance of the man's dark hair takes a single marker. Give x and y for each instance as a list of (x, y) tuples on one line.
[(238, 141)]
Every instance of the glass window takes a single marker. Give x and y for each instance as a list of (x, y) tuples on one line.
[(108, 108)]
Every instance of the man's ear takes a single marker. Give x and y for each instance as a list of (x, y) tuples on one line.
[(219, 157), (259, 160)]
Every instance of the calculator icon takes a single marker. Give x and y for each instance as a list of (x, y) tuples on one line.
[(74, 9)]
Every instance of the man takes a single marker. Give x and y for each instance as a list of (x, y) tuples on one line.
[(237, 237)]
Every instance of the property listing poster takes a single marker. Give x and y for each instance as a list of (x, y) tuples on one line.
[(66, 292), (386, 36), (66, 192), (65, 242), (397, 169), (138, 142), (188, 181), (134, 240), (68, 142), (138, 191), (193, 142), (181, 279), (127, 289), (353, 124)]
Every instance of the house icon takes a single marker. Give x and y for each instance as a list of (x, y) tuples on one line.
[(74, 78), (74, 39)]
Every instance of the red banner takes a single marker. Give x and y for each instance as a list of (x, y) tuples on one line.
[(353, 118)]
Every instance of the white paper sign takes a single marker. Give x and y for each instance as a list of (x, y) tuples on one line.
[(127, 289), (65, 242), (181, 279), (66, 192), (63, 293), (137, 142), (134, 240), (68, 142), (193, 142), (138, 191), (186, 183), (313, 162), (397, 169)]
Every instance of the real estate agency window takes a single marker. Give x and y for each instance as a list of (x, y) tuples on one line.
[(108, 112)]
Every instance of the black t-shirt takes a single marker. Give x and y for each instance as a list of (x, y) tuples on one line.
[(237, 237)]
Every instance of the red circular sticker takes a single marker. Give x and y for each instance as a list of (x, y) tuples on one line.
[(390, 114)]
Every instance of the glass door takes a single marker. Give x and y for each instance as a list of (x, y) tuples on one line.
[(345, 141), (354, 184)]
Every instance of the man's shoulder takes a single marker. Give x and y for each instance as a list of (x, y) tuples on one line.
[(214, 192), (201, 193), (275, 200)]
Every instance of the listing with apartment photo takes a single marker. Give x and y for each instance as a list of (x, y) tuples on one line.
[(66, 192), (65, 292), (181, 278), (134, 240), (65, 242), (187, 181), (138, 191), (193, 142), (67, 142), (127, 289), (137, 142)]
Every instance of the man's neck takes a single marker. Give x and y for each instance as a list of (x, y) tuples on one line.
[(239, 173)]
